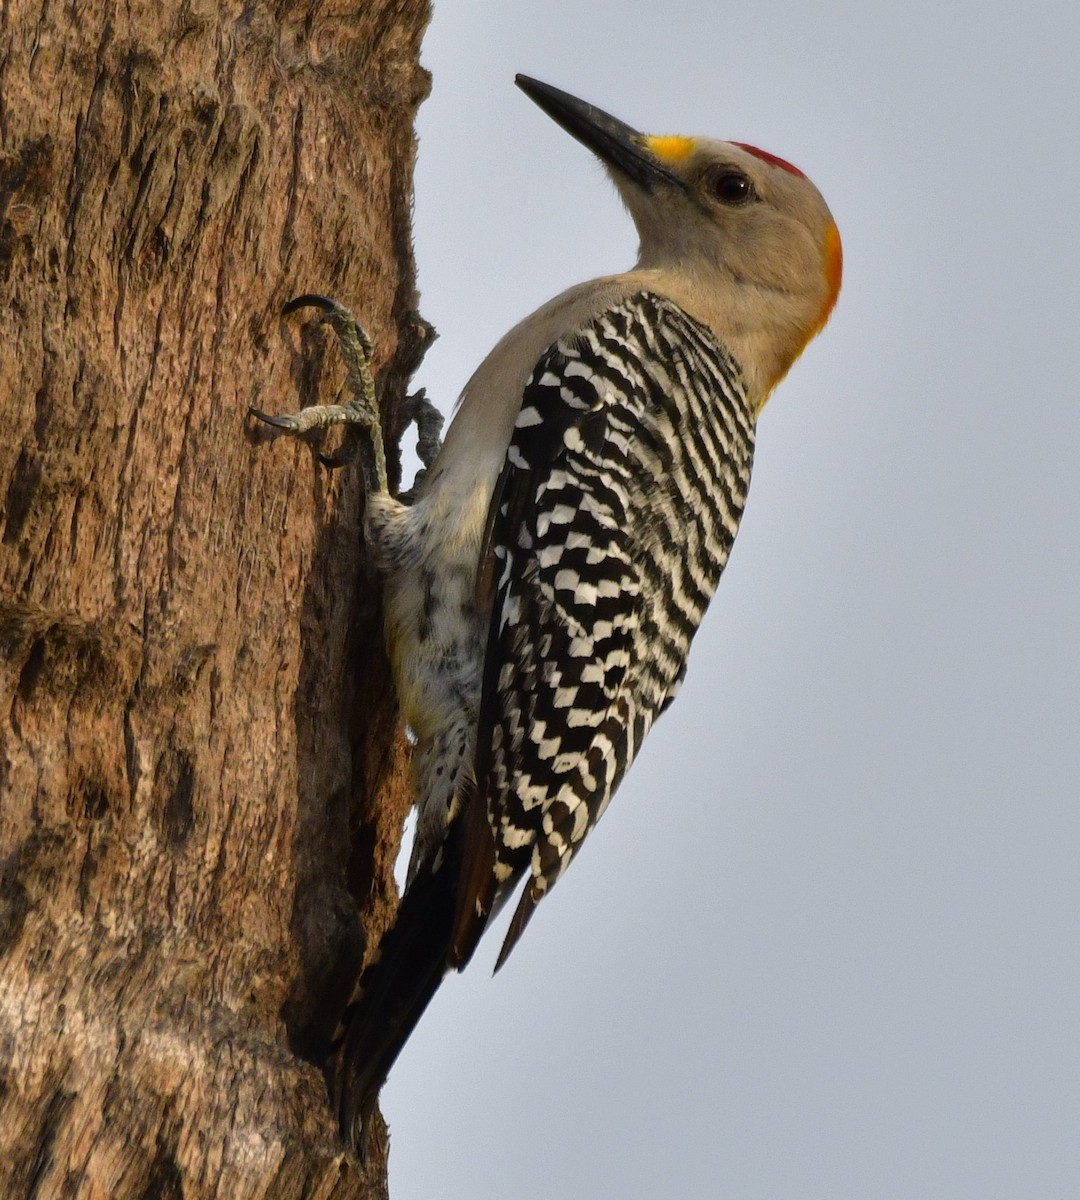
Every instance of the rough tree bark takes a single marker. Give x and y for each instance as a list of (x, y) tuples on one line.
[(201, 783)]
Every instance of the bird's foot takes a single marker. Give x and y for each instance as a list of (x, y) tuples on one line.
[(360, 412), (429, 423)]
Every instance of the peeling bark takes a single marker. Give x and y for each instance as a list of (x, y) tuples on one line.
[(201, 779)]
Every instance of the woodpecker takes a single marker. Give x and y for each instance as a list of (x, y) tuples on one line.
[(543, 589)]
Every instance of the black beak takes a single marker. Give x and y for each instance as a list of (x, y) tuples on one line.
[(612, 141)]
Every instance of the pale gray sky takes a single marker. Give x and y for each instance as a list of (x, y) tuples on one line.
[(824, 944)]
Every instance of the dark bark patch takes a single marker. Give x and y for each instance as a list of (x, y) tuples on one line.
[(174, 791), (92, 800), (31, 669), (14, 902), (40, 1166), (20, 495), (25, 179), (165, 1180)]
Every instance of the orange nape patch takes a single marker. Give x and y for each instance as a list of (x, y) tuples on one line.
[(673, 150), (773, 159), (833, 265)]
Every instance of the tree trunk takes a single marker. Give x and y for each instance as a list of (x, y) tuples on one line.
[(201, 782)]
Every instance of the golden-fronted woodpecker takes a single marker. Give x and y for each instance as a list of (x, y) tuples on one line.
[(543, 588)]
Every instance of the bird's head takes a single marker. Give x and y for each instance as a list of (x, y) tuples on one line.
[(739, 236)]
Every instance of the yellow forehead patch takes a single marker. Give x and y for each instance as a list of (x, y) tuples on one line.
[(673, 151)]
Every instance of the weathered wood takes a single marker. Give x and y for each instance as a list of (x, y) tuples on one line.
[(200, 774)]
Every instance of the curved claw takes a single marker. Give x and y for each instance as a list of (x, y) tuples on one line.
[(268, 419), (332, 462), (311, 300)]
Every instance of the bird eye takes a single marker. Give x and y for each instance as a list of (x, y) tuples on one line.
[(732, 187)]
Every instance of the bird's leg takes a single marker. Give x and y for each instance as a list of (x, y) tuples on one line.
[(429, 423), (361, 412)]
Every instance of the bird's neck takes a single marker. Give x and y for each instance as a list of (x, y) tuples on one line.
[(764, 329)]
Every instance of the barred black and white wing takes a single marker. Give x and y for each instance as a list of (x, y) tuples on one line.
[(621, 496)]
